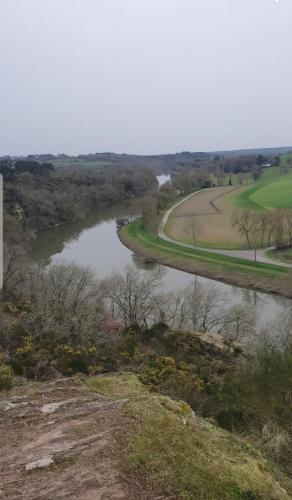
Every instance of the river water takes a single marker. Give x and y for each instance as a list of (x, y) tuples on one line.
[(94, 243), (162, 179)]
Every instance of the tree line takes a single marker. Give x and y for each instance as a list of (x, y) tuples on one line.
[(38, 196), (264, 228)]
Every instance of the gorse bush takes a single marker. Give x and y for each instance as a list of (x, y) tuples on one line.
[(258, 399), (6, 377), (42, 361)]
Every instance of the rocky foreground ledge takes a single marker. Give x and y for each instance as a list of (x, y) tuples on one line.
[(58, 441), (108, 437)]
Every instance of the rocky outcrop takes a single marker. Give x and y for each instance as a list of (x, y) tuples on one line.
[(57, 441)]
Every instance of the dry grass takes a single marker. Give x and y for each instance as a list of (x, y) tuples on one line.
[(214, 209), (184, 456)]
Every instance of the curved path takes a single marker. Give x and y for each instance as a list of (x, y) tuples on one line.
[(242, 254)]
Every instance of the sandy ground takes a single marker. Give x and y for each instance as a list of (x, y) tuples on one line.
[(213, 208)]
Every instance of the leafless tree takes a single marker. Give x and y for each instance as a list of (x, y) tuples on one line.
[(193, 228), (66, 303), (263, 224), (249, 225), (280, 227), (271, 228), (239, 322), (134, 296), (203, 308), (242, 220), (278, 334), (288, 217)]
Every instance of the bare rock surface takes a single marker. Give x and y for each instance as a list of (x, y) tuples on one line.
[(58, 440)]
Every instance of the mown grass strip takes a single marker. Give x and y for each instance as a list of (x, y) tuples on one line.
[(232, 264), (243, 200)]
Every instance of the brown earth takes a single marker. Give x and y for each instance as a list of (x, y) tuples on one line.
[(61, 440), (213, 208)]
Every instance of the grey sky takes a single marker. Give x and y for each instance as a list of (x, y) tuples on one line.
[(144, 76)]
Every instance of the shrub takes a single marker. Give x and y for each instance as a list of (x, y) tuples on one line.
[(164, 374), (257, 399), (6, 377)]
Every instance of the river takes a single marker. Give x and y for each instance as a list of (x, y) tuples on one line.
[(162, 179), (93, 243)]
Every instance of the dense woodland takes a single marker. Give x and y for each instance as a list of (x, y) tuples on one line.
[(37, 196)]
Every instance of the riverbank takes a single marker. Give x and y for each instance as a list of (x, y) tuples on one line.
[(230, 270)]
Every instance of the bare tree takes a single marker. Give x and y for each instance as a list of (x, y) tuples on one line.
[(263, 224), (66, 304), (203, 308), (280, 227), (249, 225), (242, 220), (193, 228), (256, 230), (288, 217), (134, 296), (271, 228), (239, 322), (278, 334)]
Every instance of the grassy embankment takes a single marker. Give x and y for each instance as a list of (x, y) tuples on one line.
[(180, 455), (283, 255), (270, 278)]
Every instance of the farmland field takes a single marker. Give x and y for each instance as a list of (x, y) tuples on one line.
[(213, 210)]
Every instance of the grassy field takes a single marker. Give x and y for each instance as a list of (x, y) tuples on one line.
[(269, 195), (244, 200), (231, 270), (277, 194)]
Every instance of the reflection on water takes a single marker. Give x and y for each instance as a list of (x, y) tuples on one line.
[(93, 242), (162, 179)]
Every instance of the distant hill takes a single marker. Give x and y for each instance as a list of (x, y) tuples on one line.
[(160, 163), (257, 151)]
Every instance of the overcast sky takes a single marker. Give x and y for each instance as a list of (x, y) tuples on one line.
[(144, 76)]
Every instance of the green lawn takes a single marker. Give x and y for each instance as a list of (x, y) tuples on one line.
[(243, 200), (277, 194), (269, 195)]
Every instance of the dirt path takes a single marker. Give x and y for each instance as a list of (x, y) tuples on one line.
[(242, 254), (60, 440)]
